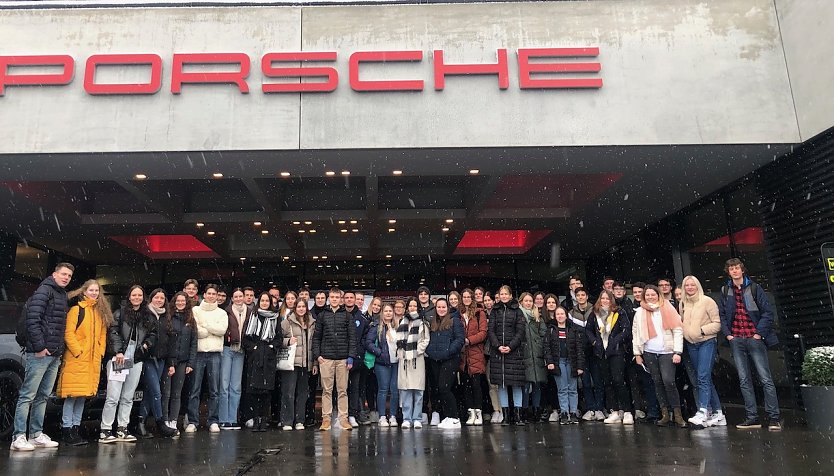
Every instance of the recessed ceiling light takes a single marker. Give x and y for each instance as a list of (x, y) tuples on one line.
[(474, 171), (345, 172), (302, 231), (217, 175), (353, 222), (257, 223), (324, 257), (445, 228), (140, 176), (392, 221), (242, 258), (449, 220), (312, 231), (296, 223), (355, 230), (211, 233), (308, 223), (388, 265), (200, 225), (252, 267), (330, 173), (264, 232), (293, 266), (358, 256), (343, 230), (285, 174), (315, 257), (398, 172), (387, 256), (286, 257), (342, 222), (360, 265), (392, 230)]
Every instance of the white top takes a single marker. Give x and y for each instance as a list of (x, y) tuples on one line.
[(391, 337), (656, 345)]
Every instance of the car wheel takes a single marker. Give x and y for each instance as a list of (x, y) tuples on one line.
[(10, 383)]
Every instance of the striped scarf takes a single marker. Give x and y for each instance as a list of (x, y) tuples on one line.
[(408, 334), (262, 324)]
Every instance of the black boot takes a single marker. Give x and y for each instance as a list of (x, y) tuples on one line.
[(68, 436), (537, 415), (517, 418), (164, 430), (76, 431), (260, 424), (506, 414), (143, 432)]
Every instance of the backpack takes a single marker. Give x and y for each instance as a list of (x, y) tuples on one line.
[(754, 287), (21, 333)]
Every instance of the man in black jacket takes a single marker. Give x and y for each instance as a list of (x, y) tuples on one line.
[(358, 378), (46, 320), (334, 346)]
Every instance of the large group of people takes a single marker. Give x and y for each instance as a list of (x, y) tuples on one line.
[(467, 358)]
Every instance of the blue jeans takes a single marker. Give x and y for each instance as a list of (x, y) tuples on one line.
[(231, 375), (73, 410), (566, 388), (206, 363), (152, 397), (386, 378), (745, 350), (532, 395), (37, 385), (702, 356), (505, 399), (412, 401)]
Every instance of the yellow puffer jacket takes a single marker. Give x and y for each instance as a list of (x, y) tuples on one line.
[(86, 343)]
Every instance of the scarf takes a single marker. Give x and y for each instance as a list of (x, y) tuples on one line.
[(669, 317), (573, 299), (408, 334), (207, 307), (262, 324), (156, 311), (528, 314), (606, 322)]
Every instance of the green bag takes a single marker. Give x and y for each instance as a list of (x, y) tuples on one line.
[(370, 360)]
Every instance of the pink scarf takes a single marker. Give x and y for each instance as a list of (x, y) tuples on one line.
[(669, 316)]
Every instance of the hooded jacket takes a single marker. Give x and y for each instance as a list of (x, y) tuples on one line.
[(86, 343), (506, 328), (46, 318), (757, 305)]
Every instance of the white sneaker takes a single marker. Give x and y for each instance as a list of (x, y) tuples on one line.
[(171, 424), (640, 414), (214, 428), (588, 416), (449, 424), (424, 418), (628, 418), (374, 415), (471, 419), (191, 428), (383, 421), (406, 424), (435, 419), (497, 417), (353, 422), (44, 441), (299, 426), (479, 418), (554, 416), (717, 419), (418, 424), (613, 417), (21, 444), (250, 423), (700, 418), (286, 428), (599, 416)]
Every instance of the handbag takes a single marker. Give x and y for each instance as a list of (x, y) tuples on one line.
[(286, 357), (370, 360)]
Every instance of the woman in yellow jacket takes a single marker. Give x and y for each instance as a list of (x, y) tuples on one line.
[(86, 339)]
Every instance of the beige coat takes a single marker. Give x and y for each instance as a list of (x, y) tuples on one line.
[(672, 338), (304, 350), (701, 321), (412, 373)]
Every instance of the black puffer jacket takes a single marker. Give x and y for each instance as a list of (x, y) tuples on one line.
[(507, 328), (619, 342), (46, 319), (182, 341), (335, 336), (575, 344), (139, 325)]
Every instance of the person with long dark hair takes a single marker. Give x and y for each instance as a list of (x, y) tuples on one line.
[(506, 337), (472, 359), (182, 352), (381, 341), (564, 350), (231, 364), (297, 329), (262, 338), (412, 340), (445, 343), (153, 371), (131, 339)]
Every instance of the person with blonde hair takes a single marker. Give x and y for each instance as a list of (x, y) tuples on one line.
[(381, 342), (86, 341), (701, 325)]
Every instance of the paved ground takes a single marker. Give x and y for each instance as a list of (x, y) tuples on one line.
[(535, 449)]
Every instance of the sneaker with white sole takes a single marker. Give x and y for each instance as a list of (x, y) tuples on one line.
[(249, 423), (286, 428), (406, 424), (353, 422), (700, 418), (299, 426), (123, 435), (717, 419), (435, 419), (106, 436), (214, 428), (21, 444), (479, 418), (588, 416), (383, 422), (44, 441), (599, 416), (418, 424), (554, 416), (191, 428), (424, 418), (449, 424), (628, 418), (613, 417), (640, 414)]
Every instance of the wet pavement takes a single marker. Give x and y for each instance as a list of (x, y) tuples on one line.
[(590, 448)]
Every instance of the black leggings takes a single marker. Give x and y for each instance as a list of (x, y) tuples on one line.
[(260, 403), (472, 390), (614, 375), (172, 386), (443, 372)]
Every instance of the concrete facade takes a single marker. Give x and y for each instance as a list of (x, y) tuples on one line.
[(687, 72)]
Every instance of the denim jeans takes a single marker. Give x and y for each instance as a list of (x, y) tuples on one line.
[(504, 398), (120, 394), (566, 385), (593, 388), (231, 375), (745, 350), (206, 363), (152, 396), (663, 373), (37, 385), (72, 412), (412, 402), (702, 356), (532, 396), (386, 378)]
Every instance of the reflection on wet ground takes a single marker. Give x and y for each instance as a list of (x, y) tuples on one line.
[(534, 449)]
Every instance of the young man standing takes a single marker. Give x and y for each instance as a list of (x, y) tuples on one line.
[(358, 382), (747, 321), (212, 323), (46, 320), (221, 298), (190, 288), (249, 299), (334, 344), (570, 302), (666, 289)]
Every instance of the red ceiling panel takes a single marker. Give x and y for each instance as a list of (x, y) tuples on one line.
[(166, 246), (501, 242)]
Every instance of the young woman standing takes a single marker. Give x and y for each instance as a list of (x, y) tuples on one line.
[(297, 329), (565, 357), (261, 341), (445, 343), (181, 330), (506, 336), (473, 361), (658, 342), (412, 341), (288, 305), (535, 367), (153, 370), (381, 341), (231, 364), (487, 302), (86, 341), (131, 338)]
